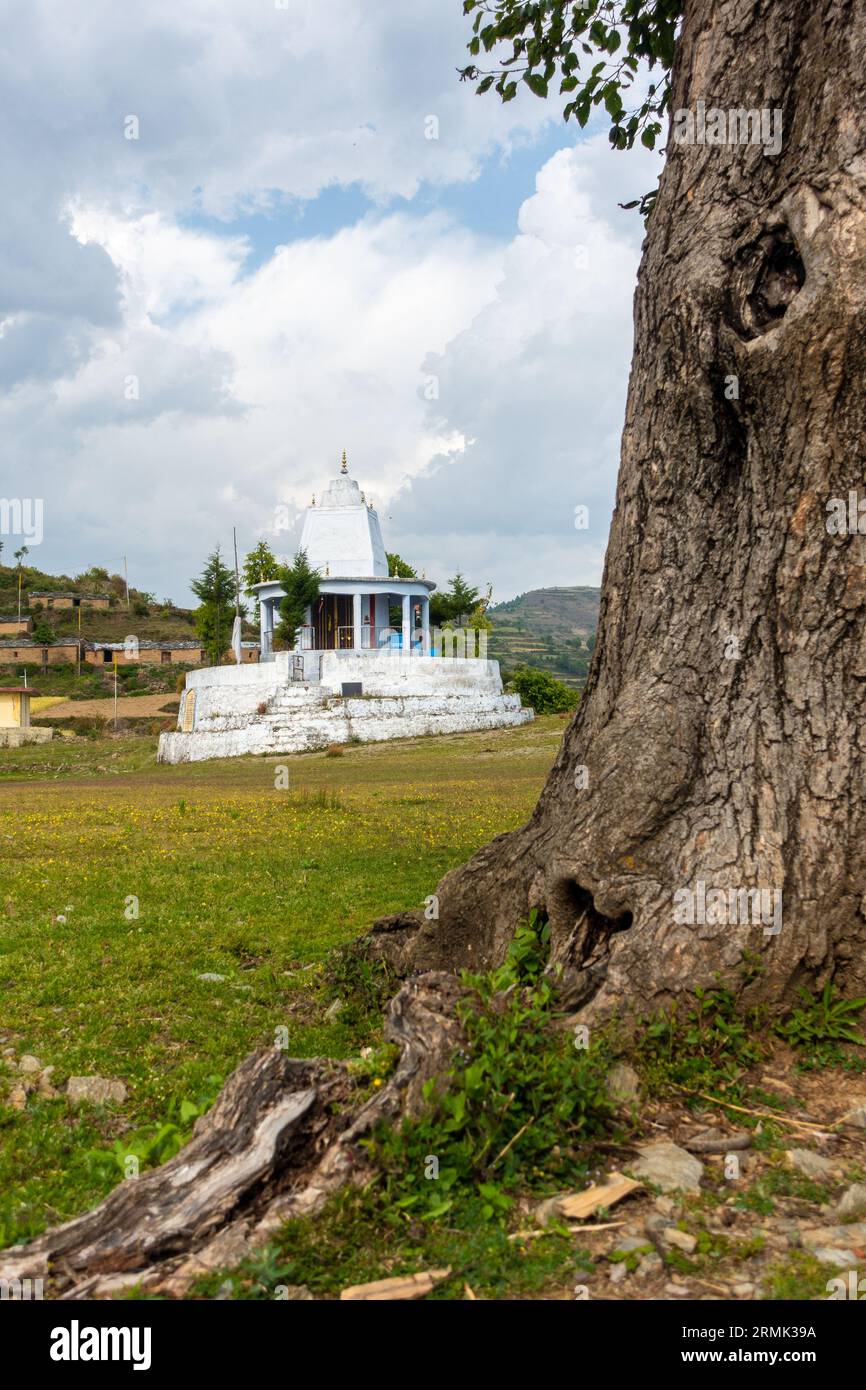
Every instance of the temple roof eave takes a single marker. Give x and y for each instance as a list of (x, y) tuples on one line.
[(336, 583)]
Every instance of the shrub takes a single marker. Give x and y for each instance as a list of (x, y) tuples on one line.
[(542, 692), (820, 1024), (87, 725), (707, 1046), (519, 1106), (43, 632)]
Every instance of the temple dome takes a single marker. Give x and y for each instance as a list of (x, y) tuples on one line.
[(341, 535), (342, 492)]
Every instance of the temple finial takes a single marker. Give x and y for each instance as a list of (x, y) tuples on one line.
[(344, 467), (313, 503)]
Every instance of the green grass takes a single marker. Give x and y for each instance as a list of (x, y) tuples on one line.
[(797, 1277), (356, 1240), (514, 1116), (94, 682), (232, 877)]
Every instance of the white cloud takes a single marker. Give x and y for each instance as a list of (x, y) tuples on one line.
[(247, 401), (536, 384), (157, 393)]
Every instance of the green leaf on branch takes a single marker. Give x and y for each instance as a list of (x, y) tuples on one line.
[(536, 83)]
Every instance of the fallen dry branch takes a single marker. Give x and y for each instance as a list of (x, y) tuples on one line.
[(400, 1288), (280, 1137), (810, 1126)]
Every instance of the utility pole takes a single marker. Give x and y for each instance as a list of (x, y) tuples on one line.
[(126, 579), (237, 593)]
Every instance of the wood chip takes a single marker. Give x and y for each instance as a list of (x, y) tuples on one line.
[(577, 1205), (404, 1286)]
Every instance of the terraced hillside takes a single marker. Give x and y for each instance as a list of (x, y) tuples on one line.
[(550, 629)]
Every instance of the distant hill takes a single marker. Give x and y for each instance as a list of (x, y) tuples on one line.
[(550, 629)]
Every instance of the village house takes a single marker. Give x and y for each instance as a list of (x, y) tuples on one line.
[(145, 652), (11, 626), (67, 600), (15, 726), (38, 653), (132, 652), (141, 652)]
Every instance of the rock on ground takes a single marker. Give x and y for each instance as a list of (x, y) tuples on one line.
[(623, 1084), (852, 1203), (95, 1089), (668, 1167), (812, 1165)]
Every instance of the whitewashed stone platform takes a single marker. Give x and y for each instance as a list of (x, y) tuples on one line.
[(33, 733), (226, 711)]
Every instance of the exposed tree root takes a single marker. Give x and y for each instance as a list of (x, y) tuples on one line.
[(275, 1144)]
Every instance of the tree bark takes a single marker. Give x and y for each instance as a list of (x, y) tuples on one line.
[(723, 720)]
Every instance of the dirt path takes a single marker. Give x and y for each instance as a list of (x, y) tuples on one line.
[(128, 707)]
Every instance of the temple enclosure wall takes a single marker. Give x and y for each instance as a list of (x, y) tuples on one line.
[(226, 711)]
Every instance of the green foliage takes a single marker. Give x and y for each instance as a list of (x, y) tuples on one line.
[(216, 587), (43, 632), (398, 566), (300, 583), (542, 692), (515, 1113), (260, 565), (363, 985), (561, 38), (457, 602), (820, 1023), (159, 1142), (358, 1237), (515, 1108), (783, 1182), (707, 1048), (797, 1277)]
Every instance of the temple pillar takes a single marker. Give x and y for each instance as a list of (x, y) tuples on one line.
[(356, 622), (407, 624), (266, 626), (425, 624)]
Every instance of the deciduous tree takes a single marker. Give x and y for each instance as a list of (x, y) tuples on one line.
[(722, 735)]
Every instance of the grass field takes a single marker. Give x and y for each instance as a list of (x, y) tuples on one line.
[(124, 881)]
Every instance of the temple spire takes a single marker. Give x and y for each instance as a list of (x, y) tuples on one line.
[(344, 467)]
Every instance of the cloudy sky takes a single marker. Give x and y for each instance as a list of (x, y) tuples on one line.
[(239, 236)]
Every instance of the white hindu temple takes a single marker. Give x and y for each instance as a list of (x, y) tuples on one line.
[(342, 539), (365, 664)]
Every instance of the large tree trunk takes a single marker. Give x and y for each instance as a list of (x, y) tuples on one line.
[(737, 771)]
